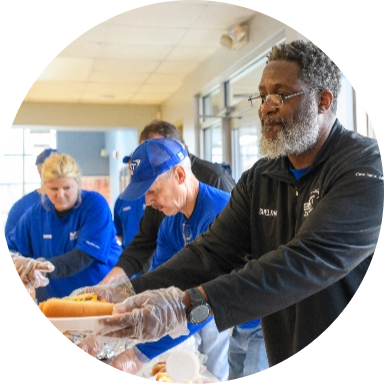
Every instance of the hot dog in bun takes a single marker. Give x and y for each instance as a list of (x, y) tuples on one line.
[(77, 306)]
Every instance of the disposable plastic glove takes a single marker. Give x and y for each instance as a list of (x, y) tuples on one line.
[(92, 345), (32, 271), (130, 361), (115, 292), (149, 316)]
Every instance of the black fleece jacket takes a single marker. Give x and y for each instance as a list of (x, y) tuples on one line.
[(311, 243)]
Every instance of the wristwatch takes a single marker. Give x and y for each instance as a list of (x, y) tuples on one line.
[(199, 310)]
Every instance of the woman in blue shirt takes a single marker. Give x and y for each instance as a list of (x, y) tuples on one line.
[(71, 228)]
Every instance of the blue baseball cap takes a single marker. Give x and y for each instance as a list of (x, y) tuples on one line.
[(151, 159), (44, 155)]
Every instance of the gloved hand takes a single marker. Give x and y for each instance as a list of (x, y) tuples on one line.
[(115, 292), (92, 345), (32, 271), (149, 316), (130, 361)]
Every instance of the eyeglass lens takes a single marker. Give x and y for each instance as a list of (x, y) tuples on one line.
[(274, 101)]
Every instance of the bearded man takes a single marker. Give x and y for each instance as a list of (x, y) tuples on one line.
[(309, 214)]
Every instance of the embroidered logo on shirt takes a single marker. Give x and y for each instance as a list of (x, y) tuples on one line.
[(127, 208), (73, 235), (47, 236), (144, 206), (308, 207)]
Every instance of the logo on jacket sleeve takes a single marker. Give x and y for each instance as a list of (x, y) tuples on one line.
[(313, 197)]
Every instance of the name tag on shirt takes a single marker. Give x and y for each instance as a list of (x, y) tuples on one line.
[(47, 236)]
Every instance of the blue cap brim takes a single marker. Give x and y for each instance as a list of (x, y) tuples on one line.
[(137, 189)]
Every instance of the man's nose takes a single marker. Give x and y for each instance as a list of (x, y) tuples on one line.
[(61, 193), (147, 199), (265, 108)]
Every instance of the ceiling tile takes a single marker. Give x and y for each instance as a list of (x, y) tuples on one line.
[(124, 78), (191, 53), (111, 88), (157, 88), (175, 14), (134, 52), (80, 49), (163, 78), (67, 69), (177, 67), (202, 37), (223, 16), (144, 35), (55, 91), (125, 66)]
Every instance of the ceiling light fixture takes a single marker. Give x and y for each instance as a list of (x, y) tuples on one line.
[(236, 37)]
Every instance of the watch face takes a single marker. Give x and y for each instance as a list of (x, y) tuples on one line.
[(200, 313)]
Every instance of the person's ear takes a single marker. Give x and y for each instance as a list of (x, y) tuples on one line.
[(325, 101), (180, 174)]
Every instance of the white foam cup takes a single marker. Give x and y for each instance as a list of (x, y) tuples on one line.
[(182, 366)]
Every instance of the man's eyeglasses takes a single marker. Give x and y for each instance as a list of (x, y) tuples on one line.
[(187, 233), (274, 101)]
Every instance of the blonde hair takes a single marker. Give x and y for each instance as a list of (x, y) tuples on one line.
[(59, 166)]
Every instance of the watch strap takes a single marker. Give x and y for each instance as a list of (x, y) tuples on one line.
[(196, 296)]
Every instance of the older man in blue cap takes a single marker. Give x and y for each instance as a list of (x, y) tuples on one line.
[(161, 171), (19, 208)]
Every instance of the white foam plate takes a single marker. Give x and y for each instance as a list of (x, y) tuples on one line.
[(83, 324)]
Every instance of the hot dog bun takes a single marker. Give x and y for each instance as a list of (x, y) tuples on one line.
[(157, 368), (73, 308)]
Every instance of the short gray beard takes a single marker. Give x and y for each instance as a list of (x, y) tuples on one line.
[(294, 138)]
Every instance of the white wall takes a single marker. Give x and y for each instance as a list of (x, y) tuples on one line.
[(85, 115)]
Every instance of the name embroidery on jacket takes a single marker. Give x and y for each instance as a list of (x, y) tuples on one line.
[(267, 212), (92, 244), (47, 236)]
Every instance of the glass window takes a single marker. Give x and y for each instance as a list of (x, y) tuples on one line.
[(361, 118), (351, 112), (30, 171), (345, 105), (246, 149), (18, 173), (245, 123), (213, 143), (246, 82), (211, 104), (371, 132), (12, 169), (15, 142)]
